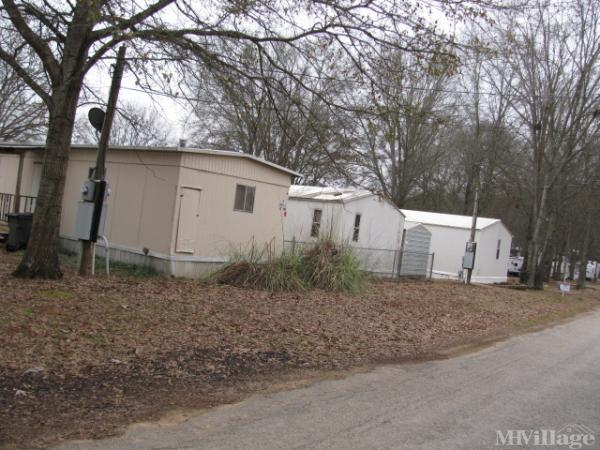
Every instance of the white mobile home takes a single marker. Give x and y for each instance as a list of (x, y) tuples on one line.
[(449, 235), (366, 221)]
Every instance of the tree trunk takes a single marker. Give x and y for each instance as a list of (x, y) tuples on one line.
[(467, 199), (533, 256), (581, 279), (572, 264), (555, 271), (560, 269), (41, 256), (524, 274), (542, 272)]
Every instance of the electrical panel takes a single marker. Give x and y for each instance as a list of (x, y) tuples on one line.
[(84, 219), (89, 190), (91, 211), (469, 258)]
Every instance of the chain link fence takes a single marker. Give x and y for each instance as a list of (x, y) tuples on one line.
[(383, 262)]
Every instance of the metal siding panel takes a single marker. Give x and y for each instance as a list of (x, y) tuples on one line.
[(223, 231), (415, 257), (237, 167)]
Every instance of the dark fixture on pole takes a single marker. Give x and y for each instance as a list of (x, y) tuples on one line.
[(96, 118)]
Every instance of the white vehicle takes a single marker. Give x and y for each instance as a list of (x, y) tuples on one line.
[(515, 264)]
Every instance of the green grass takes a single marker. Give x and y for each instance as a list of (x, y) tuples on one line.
[(116, 267), (70, 259), (51, 294)]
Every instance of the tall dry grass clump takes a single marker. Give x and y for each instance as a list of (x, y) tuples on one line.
[(332, 267), (323, 265)]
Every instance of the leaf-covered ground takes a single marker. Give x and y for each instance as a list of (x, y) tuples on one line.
[(85, 357)]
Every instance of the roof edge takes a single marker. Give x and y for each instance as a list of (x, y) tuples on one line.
[(192, 150), (344, 201)]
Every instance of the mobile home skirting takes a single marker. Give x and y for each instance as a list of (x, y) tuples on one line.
[(171, 265), (475, 279)]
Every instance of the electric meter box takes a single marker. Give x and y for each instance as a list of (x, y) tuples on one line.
[(83, 222), (89, 190), (469, 258), (91, 211)]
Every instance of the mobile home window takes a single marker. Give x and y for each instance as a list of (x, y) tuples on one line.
[(356, 230), (316, 223), (498, 249), (244, 198)]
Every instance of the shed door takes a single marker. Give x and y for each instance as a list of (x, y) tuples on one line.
[(415, 253), (187, 224)]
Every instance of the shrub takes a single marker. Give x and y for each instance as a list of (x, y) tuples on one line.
[(324, 265), (332, 267)]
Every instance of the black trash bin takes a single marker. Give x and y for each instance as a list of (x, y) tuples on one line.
[(19, 229)]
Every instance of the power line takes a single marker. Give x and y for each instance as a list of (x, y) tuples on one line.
[(211, 102)]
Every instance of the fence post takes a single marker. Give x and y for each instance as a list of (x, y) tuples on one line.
[(400, 257), (394, 274), (431, 268), (17, 200)]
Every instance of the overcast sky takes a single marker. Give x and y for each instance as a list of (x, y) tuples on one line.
[(175, 113)]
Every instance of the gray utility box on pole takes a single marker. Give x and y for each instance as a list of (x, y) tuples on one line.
[(91, 212), (83, 223), (469, 258)]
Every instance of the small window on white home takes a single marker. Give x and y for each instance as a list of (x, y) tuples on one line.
[(316, 223), (498, 249), (356, 230), (244, 198)]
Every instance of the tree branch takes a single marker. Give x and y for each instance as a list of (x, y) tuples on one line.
[(38, 45), (132, 21), (24, 74)]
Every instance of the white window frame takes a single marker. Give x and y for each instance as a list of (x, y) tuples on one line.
[(316, 225), (247, 190)]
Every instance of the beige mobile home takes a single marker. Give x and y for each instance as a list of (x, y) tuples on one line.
[(183, 211)]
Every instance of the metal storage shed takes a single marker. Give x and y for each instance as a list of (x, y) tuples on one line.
[(415, 259)]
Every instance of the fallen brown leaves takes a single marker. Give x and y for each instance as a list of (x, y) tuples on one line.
[(82, 357)]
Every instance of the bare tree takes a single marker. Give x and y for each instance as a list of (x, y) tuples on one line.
[(134, 125), (70, 38), (400, 124), (22, 115), (285, 119), (551, 63)]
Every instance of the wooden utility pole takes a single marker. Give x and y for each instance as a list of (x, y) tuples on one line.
[(473, 227), (100, 170)]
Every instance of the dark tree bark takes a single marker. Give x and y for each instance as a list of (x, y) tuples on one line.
[(581, 279), (41, 257)]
